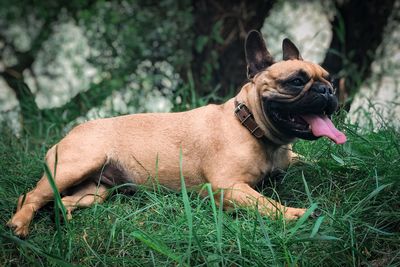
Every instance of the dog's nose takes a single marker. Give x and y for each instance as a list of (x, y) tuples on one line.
[(322, 88)]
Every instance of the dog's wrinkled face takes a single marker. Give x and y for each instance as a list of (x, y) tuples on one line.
[(297, 96)]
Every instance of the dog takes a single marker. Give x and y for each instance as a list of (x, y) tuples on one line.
[(231, 146)]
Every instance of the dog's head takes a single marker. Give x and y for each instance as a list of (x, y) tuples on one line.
[(297, 97)]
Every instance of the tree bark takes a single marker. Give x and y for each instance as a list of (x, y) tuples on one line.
[(220, 28), (358, 28)]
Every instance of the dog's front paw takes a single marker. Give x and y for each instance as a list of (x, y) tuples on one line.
[(20, 229), (293, 213)]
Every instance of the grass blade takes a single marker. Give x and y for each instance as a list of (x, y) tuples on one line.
[(306, 188), (302, 220), (317, 238), (266, 236), (156, 245), (366, 200), (220, 221), (316, 226), (59, 207), (186, 203), (27, 245), (217, 216)]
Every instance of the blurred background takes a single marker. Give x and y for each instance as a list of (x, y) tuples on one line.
[(64, 62)]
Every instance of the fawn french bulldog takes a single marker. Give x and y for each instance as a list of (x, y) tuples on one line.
[(231, 146)]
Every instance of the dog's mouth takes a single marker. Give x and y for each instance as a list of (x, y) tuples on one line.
[(306, 126)]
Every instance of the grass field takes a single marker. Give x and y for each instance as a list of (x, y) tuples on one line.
[(356, 185)]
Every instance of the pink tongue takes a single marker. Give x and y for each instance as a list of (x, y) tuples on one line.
[(323, 126)]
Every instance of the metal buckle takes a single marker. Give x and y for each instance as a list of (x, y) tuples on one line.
[(239, 107), (248, 114), (253, 127), (242, 106)]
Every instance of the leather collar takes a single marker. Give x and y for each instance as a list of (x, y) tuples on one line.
[(246, 118)]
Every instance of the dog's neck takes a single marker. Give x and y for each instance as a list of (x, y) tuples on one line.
[(249, 96)]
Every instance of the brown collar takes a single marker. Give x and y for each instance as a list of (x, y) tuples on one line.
[(246, 118)]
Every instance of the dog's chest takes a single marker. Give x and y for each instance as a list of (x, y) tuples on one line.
[(278, 160), (274, 167)]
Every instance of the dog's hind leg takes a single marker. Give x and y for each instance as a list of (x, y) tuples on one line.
[(73, 166), (84, 195)]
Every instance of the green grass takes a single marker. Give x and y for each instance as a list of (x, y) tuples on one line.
[(356, 185)]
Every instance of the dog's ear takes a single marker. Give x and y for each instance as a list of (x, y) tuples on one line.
[(257, 56), (290, 51)]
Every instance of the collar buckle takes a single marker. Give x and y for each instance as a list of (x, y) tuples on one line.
[(239, 106), (246, 118)]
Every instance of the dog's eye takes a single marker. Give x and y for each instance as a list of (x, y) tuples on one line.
[(297, 82)]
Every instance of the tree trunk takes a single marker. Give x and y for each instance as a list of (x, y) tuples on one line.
[(220, 28), (358, 28), (28, 107)]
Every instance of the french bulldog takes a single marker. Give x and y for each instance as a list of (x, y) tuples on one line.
[(231, 146)]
